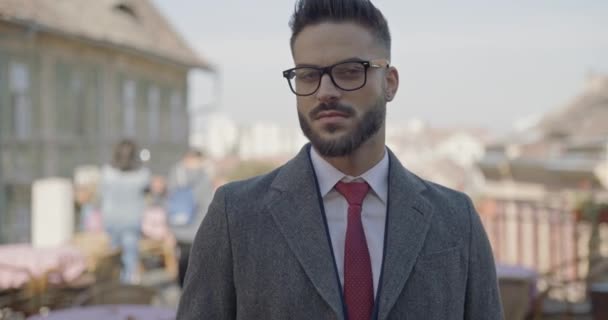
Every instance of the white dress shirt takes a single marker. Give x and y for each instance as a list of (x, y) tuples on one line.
[(373, 214)]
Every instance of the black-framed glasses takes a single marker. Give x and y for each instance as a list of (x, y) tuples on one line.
[(347, 76)]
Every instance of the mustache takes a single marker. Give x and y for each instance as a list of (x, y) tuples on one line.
[(349, 111)]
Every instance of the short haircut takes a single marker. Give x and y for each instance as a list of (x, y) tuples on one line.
[(126, 156), (361, 12)]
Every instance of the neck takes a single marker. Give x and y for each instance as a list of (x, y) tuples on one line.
[(362, 159)]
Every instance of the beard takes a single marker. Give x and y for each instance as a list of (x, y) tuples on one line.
[(369, 125)]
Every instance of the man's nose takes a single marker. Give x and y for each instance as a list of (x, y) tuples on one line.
[(327, 90)]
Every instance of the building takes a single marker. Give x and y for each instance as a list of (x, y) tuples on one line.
[(77, 76), (536, 178), (442, 155), (567, 148), (217, 134), (269, 140)]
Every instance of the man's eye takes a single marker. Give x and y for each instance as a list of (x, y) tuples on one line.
[(351, 71), (307, 75)]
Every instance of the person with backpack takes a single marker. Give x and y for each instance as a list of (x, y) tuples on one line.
[(190, 191)]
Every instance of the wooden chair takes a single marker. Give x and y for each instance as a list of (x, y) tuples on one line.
[(107, 267), (164, 251)]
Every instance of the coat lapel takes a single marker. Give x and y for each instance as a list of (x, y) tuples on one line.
[(296, 209), (408, 221)]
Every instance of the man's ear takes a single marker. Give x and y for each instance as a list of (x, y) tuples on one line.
[(392, 83)]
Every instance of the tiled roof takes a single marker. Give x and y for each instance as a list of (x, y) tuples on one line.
[(130, 24)]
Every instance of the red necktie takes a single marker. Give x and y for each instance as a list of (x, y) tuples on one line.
[(358, 282)]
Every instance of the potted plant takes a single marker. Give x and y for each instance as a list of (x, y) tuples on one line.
[(595, 213)]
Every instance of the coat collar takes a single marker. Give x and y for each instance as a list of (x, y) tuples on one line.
[(298, 211), (408, 220)]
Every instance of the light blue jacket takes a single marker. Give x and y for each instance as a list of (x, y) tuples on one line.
[(123, 195)]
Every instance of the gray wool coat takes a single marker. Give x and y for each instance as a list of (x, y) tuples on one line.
[(263, 252)]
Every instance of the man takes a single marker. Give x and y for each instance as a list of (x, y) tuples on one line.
[(343, 230), (189, 192)]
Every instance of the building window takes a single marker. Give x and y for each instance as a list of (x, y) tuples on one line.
[(74, 103), (153, 113), (78, 103), (5, 117), (94, 102), (20, 103), (129, 103), (177, 119)]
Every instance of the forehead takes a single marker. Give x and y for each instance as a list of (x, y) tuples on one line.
[(328, 43)]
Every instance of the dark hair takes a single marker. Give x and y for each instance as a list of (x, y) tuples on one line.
[(126, 156), (194, 152), (361, 12)]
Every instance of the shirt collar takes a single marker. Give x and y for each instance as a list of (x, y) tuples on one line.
[(328, 175)]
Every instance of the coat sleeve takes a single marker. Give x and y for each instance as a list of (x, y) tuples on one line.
[(482, 299), (209, 291)]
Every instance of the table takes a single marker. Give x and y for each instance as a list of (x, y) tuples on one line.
[(515, 271), (110, 312), (517, 289), (599, 300)]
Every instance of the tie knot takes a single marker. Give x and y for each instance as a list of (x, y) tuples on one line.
[(354, 192)]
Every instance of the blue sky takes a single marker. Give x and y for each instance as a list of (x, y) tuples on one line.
[(469, 62)]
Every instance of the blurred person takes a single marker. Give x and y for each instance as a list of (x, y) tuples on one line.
[(155, 225), (86, 181), (157, 191), (122, 187), (343, 230), (190, 191), (89, 215)]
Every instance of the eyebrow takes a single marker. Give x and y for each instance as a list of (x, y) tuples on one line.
[(353, 59)]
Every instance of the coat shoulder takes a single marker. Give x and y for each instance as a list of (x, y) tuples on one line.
[(453, 211), (448, 197), (249, 191)]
